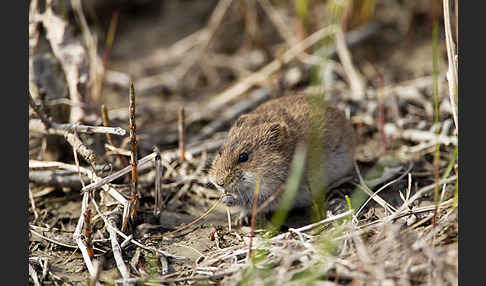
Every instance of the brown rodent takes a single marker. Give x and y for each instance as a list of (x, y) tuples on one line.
[(262, 143)]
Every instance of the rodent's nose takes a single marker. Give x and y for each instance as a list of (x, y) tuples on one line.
[(220, 183)]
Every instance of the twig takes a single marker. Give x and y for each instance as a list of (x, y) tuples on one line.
[(187, 179), (33, 25), (118, 78), (72, 56), (314, 225), (106, 123), (87, 232), (421, 136), (53, 240), (452, 60), (126, 237), (40, 112), (133, 156), (180, 127), (117, 151), (382, 110), (110, 38), (278, 22), (181, 279), (167, 156), (33, 274), (204, 38), (231, 113), (159, 200), (364, 187), (117, 196), (159, 58), (88, 154), (255, 78), (356, 81), (228, 215), (78, 237), (98, 264), (251, 23), (61, 128), (382, 188), (84, 220), (33, 42), (96, 67), (416, 196), (56, 179), (117, 253), (118, 174), (172, 203), (32, 203)]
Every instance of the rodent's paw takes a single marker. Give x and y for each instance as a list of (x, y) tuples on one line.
[(244, 219), (229, 200)]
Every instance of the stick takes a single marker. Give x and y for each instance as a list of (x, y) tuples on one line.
[(117, 253), (261, 75), (231, 113), (167, 156), (33, 274), (87, 232), (88, 154), (416, 196), (106, 122), (311, 226), (126, 237), (452, 60), (159, 200), (115, 194), (255, 78), (180, 127), (53, 241), (78, 237), (98, 266), (32, 203), (421, 136), (39, 109), (355, 80), (72, 56), (204, 38), (60, 129), (56, 179), (133, 155)]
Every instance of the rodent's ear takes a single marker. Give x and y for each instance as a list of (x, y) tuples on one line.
[(244, 118), (274, 133)]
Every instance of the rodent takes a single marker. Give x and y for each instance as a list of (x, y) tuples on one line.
[(262, 143)]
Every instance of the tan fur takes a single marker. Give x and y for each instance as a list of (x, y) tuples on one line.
[(269, 135)]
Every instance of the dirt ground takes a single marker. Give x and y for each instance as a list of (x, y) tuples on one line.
[(394, 121)]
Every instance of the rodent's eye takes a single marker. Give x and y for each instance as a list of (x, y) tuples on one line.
[(243, 157)]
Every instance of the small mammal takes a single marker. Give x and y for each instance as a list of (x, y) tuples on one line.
[(262, 143)]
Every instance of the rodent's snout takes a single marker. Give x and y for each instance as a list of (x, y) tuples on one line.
[(218, 183)]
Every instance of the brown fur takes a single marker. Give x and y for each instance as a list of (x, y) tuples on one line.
[(269, 135)]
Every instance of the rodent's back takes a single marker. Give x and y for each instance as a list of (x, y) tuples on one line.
[(297, 111)]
